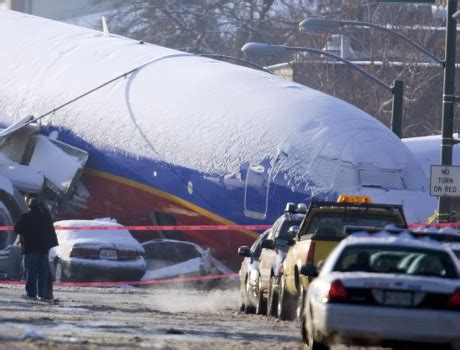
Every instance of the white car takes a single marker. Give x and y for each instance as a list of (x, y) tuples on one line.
[(96, 255), (384, 289), (167, 258)]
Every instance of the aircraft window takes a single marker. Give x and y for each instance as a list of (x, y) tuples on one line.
[(387, 179)]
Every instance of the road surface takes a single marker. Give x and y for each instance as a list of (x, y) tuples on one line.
[(131, 318)]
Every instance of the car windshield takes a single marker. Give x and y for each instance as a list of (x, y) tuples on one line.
[(284, 235), (330, 225), (396, 259), (170, 251)]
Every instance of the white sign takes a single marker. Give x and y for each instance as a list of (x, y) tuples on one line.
[(445, 181)]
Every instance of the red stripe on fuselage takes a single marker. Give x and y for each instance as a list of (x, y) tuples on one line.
[(133, 204)]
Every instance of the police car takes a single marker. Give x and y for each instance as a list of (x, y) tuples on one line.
[(384, 288)]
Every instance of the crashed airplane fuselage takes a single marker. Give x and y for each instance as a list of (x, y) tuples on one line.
[(185, 139)]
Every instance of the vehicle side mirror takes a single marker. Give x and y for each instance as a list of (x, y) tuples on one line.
[(291, 242), (268, 244), (293, 231), (319, 265), (309, 271), (244, 251)]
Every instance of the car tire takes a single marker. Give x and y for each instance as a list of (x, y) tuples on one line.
[(272, 304), (243, 296), (248, 308), (285, 302), (300, 301), (308, 334), (261, 306), (59, 273)]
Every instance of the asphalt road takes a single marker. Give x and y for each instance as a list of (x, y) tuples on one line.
[(131, 318)]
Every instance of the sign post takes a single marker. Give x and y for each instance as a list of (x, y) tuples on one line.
[(445, 181)]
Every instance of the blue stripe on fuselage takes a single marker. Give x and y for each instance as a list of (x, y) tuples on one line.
[(212, 192)]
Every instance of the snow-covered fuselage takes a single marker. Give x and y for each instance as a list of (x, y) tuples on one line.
[(190, 140)]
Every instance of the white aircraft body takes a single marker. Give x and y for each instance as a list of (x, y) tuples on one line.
[(181, 140)]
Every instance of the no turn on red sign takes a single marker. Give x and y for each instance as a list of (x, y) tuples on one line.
[(445, 181)]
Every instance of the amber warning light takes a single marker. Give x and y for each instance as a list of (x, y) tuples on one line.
[(346, 198)]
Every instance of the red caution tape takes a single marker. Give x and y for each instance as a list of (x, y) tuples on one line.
[(138, 283), (158, 228)]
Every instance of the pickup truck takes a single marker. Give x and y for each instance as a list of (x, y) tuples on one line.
[(323, 227)]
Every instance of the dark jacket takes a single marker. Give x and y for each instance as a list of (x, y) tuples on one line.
[(36, 231)]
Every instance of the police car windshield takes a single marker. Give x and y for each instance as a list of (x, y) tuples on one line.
[(396, 259)]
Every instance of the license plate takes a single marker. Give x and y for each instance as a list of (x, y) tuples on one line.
[(108, 254), (398, 298)]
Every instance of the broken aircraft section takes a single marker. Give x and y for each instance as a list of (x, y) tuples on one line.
[(31, 163)]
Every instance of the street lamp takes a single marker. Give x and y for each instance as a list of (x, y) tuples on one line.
[(315, 24), (397, 89)]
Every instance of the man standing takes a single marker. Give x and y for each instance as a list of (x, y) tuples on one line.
[(36, 231)]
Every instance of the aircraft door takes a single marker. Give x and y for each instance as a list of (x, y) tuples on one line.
[(256, 191)]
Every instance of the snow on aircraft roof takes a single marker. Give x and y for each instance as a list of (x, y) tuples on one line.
[(188, 110)]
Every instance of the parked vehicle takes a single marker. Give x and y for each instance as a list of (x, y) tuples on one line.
[(249, 274), (167, 258), (322, 229), (383, 289), (96, 255), (274, 250)]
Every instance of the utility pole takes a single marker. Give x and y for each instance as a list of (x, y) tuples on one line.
[(448, 102), (397, 108)]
